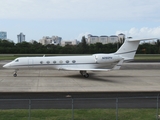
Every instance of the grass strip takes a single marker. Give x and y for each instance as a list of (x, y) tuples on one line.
[(79, 114)]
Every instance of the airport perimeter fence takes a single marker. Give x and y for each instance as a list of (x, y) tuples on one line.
[(120, 108)]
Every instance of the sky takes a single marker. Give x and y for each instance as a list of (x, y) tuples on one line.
[(72, 19)]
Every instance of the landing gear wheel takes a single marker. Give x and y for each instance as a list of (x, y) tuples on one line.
[(86, 75), (15, 75), (81, 72)]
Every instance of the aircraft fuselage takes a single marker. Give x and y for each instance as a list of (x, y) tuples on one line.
[(65, 62)]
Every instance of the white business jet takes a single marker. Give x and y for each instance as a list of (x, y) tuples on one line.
[(95, 62)]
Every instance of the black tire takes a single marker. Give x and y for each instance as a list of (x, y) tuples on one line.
[(86, 75), (15, 75)]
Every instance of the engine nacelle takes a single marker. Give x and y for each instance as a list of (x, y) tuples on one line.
[(107, 58)]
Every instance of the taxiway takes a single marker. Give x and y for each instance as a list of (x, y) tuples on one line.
[(133, 77)]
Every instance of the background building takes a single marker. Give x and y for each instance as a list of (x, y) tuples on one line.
[(56, 40), (89, 40), (50, 40), (105, 39), (121, 37), (69, 42), (92, 39), (21, 38), (3, 35), (113, 39)]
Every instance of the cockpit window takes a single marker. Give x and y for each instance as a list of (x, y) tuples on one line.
[(17, 60)]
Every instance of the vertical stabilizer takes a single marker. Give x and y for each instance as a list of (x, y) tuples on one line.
[(129, 48)]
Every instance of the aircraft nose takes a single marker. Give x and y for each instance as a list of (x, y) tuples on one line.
[(6, 65)]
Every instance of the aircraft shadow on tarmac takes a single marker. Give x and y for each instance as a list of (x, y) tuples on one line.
[(93, 77)]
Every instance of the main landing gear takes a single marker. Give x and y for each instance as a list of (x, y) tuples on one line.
[(84, 74)]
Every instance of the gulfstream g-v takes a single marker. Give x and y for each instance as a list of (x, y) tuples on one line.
[(95, 62)]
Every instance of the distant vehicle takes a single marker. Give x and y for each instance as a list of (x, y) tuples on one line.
[(95, 62)]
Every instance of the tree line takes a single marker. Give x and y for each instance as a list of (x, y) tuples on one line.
[(9, 47)]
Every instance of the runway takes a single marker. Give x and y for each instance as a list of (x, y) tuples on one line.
[(133, 77)]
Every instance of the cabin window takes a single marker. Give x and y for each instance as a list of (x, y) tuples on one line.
[(41, 62), (48, 62), (73, 61), (67, 61), (16, 60), (54, 62), (61, 61)]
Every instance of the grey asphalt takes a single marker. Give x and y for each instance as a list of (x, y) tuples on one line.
[(133, 77)]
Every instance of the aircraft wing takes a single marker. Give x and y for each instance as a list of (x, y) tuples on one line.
[(80, 69), (116, 67)]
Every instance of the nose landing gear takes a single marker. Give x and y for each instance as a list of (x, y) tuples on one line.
[(15, 73)]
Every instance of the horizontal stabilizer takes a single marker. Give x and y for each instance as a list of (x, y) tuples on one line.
[(132, 40)]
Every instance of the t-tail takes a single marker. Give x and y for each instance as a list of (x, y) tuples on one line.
[(129, 48)]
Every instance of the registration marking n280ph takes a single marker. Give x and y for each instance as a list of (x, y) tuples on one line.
[(107, 58)]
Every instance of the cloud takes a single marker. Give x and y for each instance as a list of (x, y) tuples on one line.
[(80, 9), (144, 32)]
